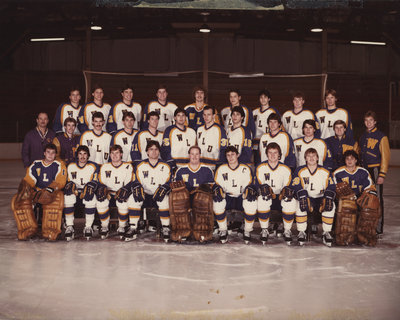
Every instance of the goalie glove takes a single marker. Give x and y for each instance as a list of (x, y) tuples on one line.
[(101, 192), (266, 192), (250, 193), (304, 200), (123, 193), (137, 192), (286, 194), (89, 191), (70, 188), (327, 202), (161, 192), (344, 191), (218, 193)]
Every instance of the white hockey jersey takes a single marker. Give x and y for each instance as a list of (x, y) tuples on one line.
[(301, 146), (82, 175), (124, 139), (233, 181), (327, 118), (176, 144), (166, 113), (212, 142), (139, 144), (277, 178), (115, 123), (284, 141), (86, 112), (314, 182), (151, 177), (99, 145), (293, 122), (260, 120), (116, 177)]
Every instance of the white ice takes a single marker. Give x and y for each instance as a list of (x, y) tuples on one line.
[(148, 279)]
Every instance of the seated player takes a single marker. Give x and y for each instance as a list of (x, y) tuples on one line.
[(279, 136), (68, 110), (150, 189), (124, 137), (97, 140), (301, 145), (139, 143), (339, 144), (315, 191), (211, 138), (115, 120), (293, 119), (82, 181), (358, 185), (233, 189), (177, 140), (273, 179), (67, 142), (114, 183), (239, 136), (41, 185)]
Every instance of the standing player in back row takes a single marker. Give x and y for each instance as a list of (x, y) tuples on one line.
[(68, 110), (327, 116), (194, 111), (163, 107)]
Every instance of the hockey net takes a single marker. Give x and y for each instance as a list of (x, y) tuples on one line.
[(180, 86)]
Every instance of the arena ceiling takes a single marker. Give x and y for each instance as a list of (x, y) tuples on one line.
[(344, 20)]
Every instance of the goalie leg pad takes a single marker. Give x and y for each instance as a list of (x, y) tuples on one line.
[(52, 215), (366, 226), (179, 203), (346, 220), (203, 215), (25, 217)]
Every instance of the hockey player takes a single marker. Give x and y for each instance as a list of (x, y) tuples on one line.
[(67, 142), (115, 120), (233, 189), (97, 140), (36, 139), (339, 144), (315, 191), (177, 140), (82, 175), (42, 185), (114, 182), (163, 107), (139, 143), (309, 140), (240, 136), (226, 113), (150, 189), (273, 179), (282, 138), (124, 137), (375, 156), (293, 120), (211, 138), (261, 115), (327, 116), (68, 110), (97, 105), (194, 111)]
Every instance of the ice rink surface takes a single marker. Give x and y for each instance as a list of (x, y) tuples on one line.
[(147, 279)]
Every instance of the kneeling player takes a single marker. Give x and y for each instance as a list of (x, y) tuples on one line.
[(273, 179), (114, 184), (41, 185), (234, 189), (150, 189), (315, 192), (82, 175), (354, 182)]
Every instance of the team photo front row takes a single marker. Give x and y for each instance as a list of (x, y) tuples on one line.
[(194, 203)]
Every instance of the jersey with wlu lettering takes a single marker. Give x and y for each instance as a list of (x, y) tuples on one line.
[(261, 123), (140, 141), (176, 144), (82, 175), (40, 175), (86, 113), (212, 142), (194, 115), (115, 123), (194, 177), (151, 177), (277, 178), (358, 180), (240, 138), (327, 118), (293, 122), (285, 142), (64, 111), (315, 183), (99, 145), (124, 139), (166, 113), (116, 177), (324, 154), (248, 120), (233, 181)]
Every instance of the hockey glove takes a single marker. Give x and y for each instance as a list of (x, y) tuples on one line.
[(266, 192), (123, 193), (304, 200), (286, 194), (137, 192), (218, 193), (89, 191), (70, 188), (327, 202), (161, 192), (101, 192), (250, 193)]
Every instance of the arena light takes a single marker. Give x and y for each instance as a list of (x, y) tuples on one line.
[(373, 43), (246, 75), (96, 28), (317, 30), (205, 28), (47, 39)]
